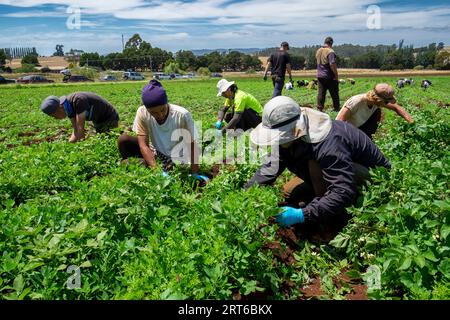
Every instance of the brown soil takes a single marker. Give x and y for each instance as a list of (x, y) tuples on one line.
[(314, 291), (60, 134), (443, 105), (28, 134), (284, 255)]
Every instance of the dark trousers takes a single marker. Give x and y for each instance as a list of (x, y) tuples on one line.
[(129, 148), (106, 126), (371, 125), (278, 85), (299, 193), (328, 85), (250, 119)]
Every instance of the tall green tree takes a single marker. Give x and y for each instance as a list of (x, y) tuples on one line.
[(2, 57), (59, 51)]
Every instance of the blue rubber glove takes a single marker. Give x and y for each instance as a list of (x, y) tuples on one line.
[(290, 216), (200, 177), (218, 125), (165, 174)]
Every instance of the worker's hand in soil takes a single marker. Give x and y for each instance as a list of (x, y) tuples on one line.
[(218, 125), (290, 216)]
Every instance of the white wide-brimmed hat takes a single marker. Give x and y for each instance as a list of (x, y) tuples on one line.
[(283, 121), (223, 86)]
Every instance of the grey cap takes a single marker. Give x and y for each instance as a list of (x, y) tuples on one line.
[(50, 105)]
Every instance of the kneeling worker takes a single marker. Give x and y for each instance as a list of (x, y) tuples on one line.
[(364, 110), (245, 109), (165, 132), (329, 158)]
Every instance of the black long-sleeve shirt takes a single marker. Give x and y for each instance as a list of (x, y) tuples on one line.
[(336, 155)]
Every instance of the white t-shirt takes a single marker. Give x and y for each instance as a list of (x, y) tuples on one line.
[(359, 109), (173, 138)]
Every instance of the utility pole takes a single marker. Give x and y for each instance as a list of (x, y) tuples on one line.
[(123, 45)]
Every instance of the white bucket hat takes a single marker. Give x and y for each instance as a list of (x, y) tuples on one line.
[(223, 86), (283, 121)]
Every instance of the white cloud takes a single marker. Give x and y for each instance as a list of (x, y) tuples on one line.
[(175, 25)]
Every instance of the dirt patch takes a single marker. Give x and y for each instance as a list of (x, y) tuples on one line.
[(312, 291), (284, 255), (57, 136), (443, 105), (28, 134), (358, 290)]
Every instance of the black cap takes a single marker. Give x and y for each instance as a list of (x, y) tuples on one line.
[(284, 44)]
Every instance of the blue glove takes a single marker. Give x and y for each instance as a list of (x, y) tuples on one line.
[(290, 216), (200, 177), (218, 125), (165, 174)]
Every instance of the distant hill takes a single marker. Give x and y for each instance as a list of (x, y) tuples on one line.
[(202, 52)]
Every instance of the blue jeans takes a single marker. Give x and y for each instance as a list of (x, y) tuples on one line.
[(278, 85)]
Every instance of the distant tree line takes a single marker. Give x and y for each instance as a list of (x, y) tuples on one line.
[(140, 55), (15, 53), (384, 57)]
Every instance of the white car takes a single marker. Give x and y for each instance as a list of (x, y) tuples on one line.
[(161, 76), (66, 72), (133, 76)]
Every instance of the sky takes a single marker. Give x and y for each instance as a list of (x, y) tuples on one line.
[(97, 26)]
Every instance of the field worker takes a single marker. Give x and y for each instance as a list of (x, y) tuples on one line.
[(302, 83), (289, 86), (400, 83), (327, 75), (425, 84), (159, 125), (245, 110), (312, 85), (329, 158), (81, 107), (364, 110), (279, 63)]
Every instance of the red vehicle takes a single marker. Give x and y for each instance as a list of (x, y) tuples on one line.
[(33, 79)]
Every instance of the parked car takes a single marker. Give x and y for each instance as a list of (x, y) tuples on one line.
[(162, 76), (77, 79), (188, 76), (216, 75), (66, 72), (133, 76), (6, 81), (109, 78), (33, 79)]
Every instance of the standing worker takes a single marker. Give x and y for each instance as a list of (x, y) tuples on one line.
[(327, 75), (279, 62), (245, 112), (364, 110)]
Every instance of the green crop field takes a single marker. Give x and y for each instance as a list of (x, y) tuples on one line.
[(132, 234)]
